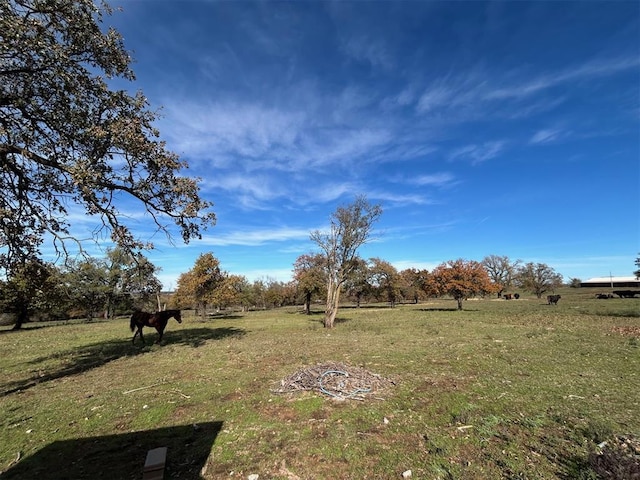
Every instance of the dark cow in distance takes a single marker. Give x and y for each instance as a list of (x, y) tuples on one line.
[(553, 299), (507, 296), (625, 293)]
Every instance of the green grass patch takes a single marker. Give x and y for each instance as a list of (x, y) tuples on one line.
[(503, 389)]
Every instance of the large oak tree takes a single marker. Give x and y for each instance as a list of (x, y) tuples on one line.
[(501, 270), (538, 278), (67, 139)]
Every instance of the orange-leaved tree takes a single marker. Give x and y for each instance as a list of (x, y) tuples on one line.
[(461, 279)]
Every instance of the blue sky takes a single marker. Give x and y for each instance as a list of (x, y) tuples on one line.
[(505, 128)]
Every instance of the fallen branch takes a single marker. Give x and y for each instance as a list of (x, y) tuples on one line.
[(13, 462), (142, 388), (464, 427), (175, 390)]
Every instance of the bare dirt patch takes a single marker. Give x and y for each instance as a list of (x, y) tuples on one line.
[(627, 331)]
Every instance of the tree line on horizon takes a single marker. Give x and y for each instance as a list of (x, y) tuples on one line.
[(119, 284)]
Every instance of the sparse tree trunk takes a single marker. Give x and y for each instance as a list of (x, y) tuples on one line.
[(459, 299), (333, 298), (21, 317), (307, 303)]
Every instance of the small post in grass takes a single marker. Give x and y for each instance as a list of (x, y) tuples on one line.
[(154, 465)]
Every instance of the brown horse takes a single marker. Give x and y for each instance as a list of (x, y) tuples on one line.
[(159, 320)]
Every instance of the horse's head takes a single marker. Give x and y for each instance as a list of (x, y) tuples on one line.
[(178, 316)]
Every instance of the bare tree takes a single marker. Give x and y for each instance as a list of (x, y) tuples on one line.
[(501, 271), (350, 228)]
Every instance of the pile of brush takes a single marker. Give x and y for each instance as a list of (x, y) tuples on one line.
[(335, 380)]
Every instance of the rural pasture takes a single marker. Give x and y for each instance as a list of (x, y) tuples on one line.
[(503, 389)]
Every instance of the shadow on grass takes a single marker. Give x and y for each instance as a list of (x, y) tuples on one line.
[(220, 316), (319, 318), (121, 456), (87, 357), (441, 309), (313, 313), (30, 325)]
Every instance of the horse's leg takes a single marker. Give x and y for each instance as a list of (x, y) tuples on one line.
[(141, 336), (160, 332)]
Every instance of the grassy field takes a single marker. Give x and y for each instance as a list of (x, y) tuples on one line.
[(504, 389)]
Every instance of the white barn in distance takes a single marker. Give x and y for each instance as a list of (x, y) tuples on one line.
[(612, 282)]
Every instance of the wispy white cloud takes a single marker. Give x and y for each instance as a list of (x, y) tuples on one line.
[(260, 185), (594, 68), (469, 93), (369, 50), (434, 98), (325, 192), (547, 135), (436, 179), (401, 199), (453, 92), (240, 128), (478, 153), (255, 237)]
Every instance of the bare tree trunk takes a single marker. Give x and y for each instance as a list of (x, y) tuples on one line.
[(307, 303), (21, 317), (459, 303), (333, 298)]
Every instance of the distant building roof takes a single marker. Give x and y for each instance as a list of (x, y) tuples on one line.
[(611, 279), (612, 282)]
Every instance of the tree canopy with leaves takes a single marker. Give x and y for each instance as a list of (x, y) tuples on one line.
[(385, 280), (539, 278), (67, 139), (27, 289), (461, 279), (350, 228), (196, 286), (310, 276)]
